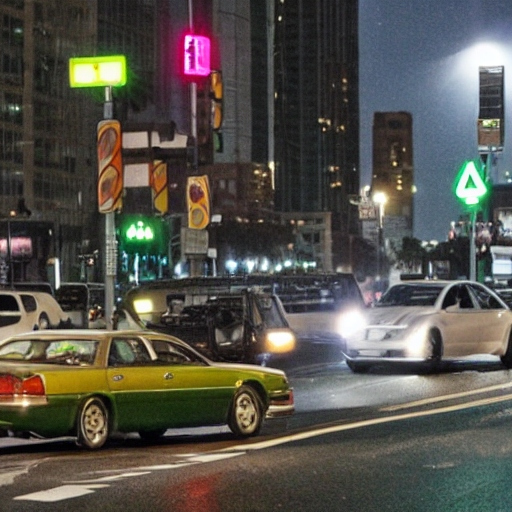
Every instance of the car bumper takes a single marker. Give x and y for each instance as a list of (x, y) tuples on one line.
[(280, 406)]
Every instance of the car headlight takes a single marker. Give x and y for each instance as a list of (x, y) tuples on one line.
[(350, 322), (142, 306), (280, 341)]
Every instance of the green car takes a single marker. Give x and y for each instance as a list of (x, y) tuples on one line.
[(89, 384)]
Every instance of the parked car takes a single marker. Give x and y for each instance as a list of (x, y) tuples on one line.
[(429, 321), (22, 311), (90, 383)]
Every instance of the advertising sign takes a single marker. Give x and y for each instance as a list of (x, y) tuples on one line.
[(110, 166)]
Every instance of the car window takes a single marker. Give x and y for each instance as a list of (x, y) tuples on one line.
[(485, 299), (8, 303), (128, 351), (70, 351), (172, 353), (410, 295), (465, 301), (29, 302)]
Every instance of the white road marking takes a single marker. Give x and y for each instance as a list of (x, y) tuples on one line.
[(72, 491), (365, 423), (443, 398), (63, 492), (77, 488)]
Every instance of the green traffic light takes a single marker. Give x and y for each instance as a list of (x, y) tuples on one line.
[(139, 232)]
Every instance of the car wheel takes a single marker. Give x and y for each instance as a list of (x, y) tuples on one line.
[(357, 367), (92, 424), (152, 435), (43, 322), (506, 358), (246, 415)]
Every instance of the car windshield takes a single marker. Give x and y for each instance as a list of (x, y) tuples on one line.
[(77, 352), (410, 295), (269, 311)]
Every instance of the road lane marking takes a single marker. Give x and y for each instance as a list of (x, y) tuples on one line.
[(366, 423), (63, 492), (444, 398), (77, 488), (72, 491)]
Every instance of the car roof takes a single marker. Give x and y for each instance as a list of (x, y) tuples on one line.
[(87, 334)]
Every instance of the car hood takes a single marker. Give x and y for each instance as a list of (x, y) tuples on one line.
[(397, 315)]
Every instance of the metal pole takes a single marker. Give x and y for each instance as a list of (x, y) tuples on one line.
[(472, 248), (193, 96), (110, 235)]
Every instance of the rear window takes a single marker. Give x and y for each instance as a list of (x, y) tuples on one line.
[(76, 352), (8, 303)]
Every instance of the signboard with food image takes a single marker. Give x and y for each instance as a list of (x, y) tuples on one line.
[(198, 202), (110, 166), (158, 181)]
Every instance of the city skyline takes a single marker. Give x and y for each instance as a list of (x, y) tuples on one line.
[(425, 61)]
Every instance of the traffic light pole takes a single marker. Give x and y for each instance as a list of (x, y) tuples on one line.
[(472, 247), (110, 236)]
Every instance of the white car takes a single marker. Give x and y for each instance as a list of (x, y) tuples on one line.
[(428, 321), (22, 311)]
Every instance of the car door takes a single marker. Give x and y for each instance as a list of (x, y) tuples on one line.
[(469, 329), (195, 392), (495, 320), (136, 384)]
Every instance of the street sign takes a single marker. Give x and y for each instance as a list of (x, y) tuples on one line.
[(97, 71), (470, 186)]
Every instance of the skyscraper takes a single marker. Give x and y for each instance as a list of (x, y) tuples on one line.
[(393, 170), (317, 112)]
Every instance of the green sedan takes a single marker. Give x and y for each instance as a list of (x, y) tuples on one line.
[(90, 384)]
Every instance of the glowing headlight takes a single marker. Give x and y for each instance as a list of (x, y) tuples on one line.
[(142, 306), (280, 341), (351, 322)]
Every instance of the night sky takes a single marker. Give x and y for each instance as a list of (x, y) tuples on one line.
[(423, 57)]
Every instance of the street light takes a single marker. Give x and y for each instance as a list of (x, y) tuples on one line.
[(106, 72)]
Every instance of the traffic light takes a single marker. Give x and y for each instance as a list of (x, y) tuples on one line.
[(142, 234), (216, 92), (198, 202), (159, 186), (196, 52)]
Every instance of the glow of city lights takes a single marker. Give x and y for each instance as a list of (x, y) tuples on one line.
[(231, 266)]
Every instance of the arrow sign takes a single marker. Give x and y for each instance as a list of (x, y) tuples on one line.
[(470, 186)]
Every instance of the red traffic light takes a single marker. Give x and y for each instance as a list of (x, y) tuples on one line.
[(196, 55)]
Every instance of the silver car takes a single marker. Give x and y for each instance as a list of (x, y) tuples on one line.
[(428, 321)]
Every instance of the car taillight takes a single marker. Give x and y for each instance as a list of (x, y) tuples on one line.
[(33, 386), (12, 385), (8, 384)]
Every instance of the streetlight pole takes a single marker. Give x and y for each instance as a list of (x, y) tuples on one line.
[(110, 234)]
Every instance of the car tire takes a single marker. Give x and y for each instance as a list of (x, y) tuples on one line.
[(43, 322), (152, 435), (357, 367), (506, 358), (93, 424), (435, 341), (246, 415)]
